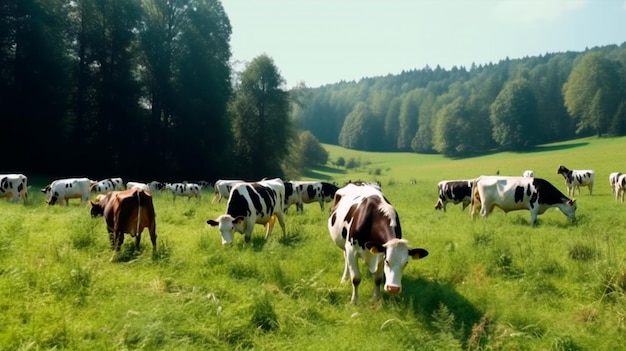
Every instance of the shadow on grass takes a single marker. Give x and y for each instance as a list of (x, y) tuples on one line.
[(427, 297), (558, 147), (316, 173)]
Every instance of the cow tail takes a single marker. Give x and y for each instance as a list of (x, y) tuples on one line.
[(138, 210), (474, 192)]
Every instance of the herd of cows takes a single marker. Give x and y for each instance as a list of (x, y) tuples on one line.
[(361, 221)]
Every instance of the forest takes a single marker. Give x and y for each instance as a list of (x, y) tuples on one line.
[(511, 105), (147, 90)]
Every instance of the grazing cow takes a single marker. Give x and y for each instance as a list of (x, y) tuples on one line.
[(528, 173), (14, 186), (127, 211), (292, 195), (613, 179), (249, 203), (519, 193), (185, 189), (455, 191), (364, 224), (619, 187), (223, 188), (311, 191), (106, 185), (574, 179), (62, 190), (138, 185), (156, 186)]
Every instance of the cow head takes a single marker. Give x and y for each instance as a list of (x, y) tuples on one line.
[(396, 253), (439, 205), (228, 225), (97, 209)]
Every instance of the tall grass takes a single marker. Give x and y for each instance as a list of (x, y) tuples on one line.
[(488, 284)]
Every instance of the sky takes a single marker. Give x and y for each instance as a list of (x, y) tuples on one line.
[(318, 42)]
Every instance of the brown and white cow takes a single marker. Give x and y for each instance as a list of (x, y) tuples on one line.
[(364, 224), (62, 190), (519, 193), (576, 178), (312, 191), (127, 211), (14, 186), (454, 191), (249, 204)]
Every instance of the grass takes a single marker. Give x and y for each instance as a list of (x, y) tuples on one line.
[(488, 284)]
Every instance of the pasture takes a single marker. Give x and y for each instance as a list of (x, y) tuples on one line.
[(487, 284)]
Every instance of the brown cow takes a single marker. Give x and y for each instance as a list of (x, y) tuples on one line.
[(127, 211)]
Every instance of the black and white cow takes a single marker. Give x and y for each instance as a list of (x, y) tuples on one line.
[(188, 190), (249, 204), (138, 185), (619, 187), (292, 195), (14, 186), (364, 224), (519, 193), (574, 179), (223, 188), (312, 191), (613, 179), (528, 173), (155, 186), (454, 191), (62, 190), (106, 185)]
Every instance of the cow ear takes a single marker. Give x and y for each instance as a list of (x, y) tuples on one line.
[(418, 253), (571, 202), (212, 223), (91, 203), (374, 248), (238, 220)]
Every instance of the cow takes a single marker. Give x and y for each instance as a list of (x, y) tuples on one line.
[(127, 211), (619, 187), (62, 190), (613, 179), (313, 191), (106, 185), (252, 203), (14, 186), (292, 195), (574, 179), (185, 189), (519, 193), (454, 191), (528, 173), (138, 185), (223, 187), (364, 224), (156, 186)]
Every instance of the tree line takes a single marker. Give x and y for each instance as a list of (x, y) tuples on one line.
[(513, 105), (138, 89)]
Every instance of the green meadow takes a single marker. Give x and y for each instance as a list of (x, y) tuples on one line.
[(487, 284)]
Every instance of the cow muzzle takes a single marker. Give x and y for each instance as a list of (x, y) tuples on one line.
[(392, 289)]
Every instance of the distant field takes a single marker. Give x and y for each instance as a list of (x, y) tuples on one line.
[(487, 284)]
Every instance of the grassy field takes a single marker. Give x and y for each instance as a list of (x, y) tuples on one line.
[(488, 284)]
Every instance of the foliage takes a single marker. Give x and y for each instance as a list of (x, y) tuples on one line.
[(513, 116), (260, 120), (594, 92), (313, 152)]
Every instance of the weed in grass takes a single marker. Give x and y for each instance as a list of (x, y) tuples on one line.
[(263, 316), (581, 252), (565, 343)]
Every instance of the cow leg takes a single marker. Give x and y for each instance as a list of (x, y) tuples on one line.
[(137, 241), (344, 276), (281, 221), (153, 237), (269, 226), (353, 268), (379, 277)]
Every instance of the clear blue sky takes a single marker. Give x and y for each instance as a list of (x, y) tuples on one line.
[(325, 41)]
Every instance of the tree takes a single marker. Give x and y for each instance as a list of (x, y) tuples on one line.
[(592, 93), (313, 153), (513, 116), (262, 129), (360, 129), (409, 113)]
